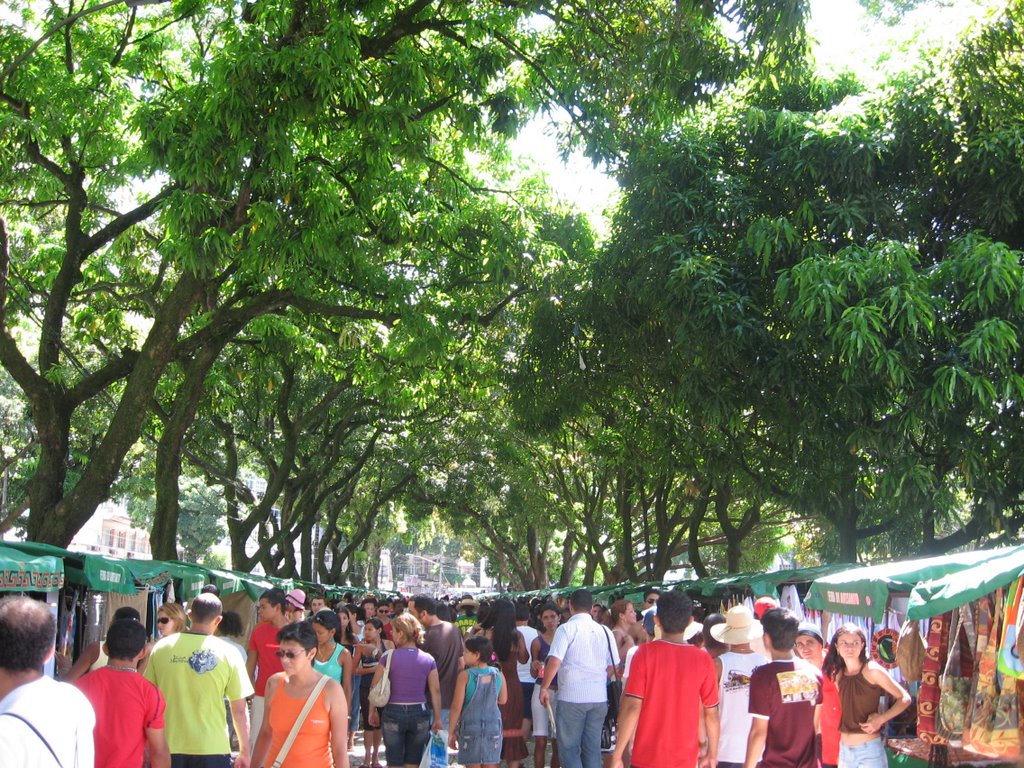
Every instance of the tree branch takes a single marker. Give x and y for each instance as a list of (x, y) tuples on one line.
[(126, 220), (401, 26), (91, 385)]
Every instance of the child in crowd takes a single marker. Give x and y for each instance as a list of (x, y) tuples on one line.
[(475, 717)]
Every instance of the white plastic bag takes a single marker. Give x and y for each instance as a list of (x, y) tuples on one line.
[(436, 753)]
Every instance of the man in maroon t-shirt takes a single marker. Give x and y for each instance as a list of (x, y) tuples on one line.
[(443, 641), (785, 700), (671, 688), (262, 661), (129, 708)]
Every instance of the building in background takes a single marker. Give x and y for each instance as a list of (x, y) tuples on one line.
[(110, 532)]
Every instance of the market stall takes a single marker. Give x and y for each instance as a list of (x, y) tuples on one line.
[(952, 644), (20, 572)]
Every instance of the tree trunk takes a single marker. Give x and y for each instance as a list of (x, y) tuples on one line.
[(58, 523), (46, 487), (306, 553), (570, 559), (846, 528), (373, 566), (624, 488), (164, 535), (700, 508)]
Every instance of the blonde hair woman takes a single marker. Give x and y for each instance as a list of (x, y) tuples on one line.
[(405, 718), (170, 618)]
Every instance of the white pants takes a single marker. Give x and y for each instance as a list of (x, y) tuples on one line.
[(256, 720), (541, 721)]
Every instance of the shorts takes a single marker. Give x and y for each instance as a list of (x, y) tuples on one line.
[(527, 699), (541, 721), (406, 732), (200, 761), (870, 754)]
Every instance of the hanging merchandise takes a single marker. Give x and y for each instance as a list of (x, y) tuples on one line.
[(1009, 662), (910, 651), (931, 668), (790, 598), (883, 647), (993, 727), (1020, 708), (955, 685)]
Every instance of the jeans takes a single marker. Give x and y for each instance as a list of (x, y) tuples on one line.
[(579, 733), (870, 754), (353, 720), (406, 730)]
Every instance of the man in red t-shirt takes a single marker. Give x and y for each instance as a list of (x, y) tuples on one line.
[(262, 661), (785, 700), (129, 708), (671, 687)]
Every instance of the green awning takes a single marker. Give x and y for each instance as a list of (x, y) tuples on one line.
[(154, 573), (193, 577), (20, 572), (253, 585), (948, 592), (104, 574), (865, 591)]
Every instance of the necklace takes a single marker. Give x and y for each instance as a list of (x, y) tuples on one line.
[(121, 669), (321, 657)]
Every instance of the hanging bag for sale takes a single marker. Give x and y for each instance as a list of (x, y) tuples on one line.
[(1008, 661), (910, 651), (931, 671), (993, 729), (955, 685)]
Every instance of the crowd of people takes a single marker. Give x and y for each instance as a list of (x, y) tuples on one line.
[(748, 689)]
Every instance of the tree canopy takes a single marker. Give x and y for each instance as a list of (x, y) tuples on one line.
[(281, 249)]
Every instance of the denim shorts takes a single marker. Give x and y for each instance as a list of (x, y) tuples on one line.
[(870, 754), (406, 731)]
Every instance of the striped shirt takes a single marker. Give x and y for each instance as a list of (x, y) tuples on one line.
[(586, 650)]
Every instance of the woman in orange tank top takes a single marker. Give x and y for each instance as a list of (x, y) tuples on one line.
[(322, 740)]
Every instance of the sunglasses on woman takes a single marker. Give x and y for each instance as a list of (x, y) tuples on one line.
[(163, 620), (289, 654)]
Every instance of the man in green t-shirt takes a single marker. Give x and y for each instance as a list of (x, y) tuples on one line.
[(195, 672)]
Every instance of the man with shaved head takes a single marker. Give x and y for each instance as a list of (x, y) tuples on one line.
[(195, 671), (42, 722)]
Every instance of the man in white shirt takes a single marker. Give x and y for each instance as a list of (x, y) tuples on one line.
[(43, 723), (584, 656)]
